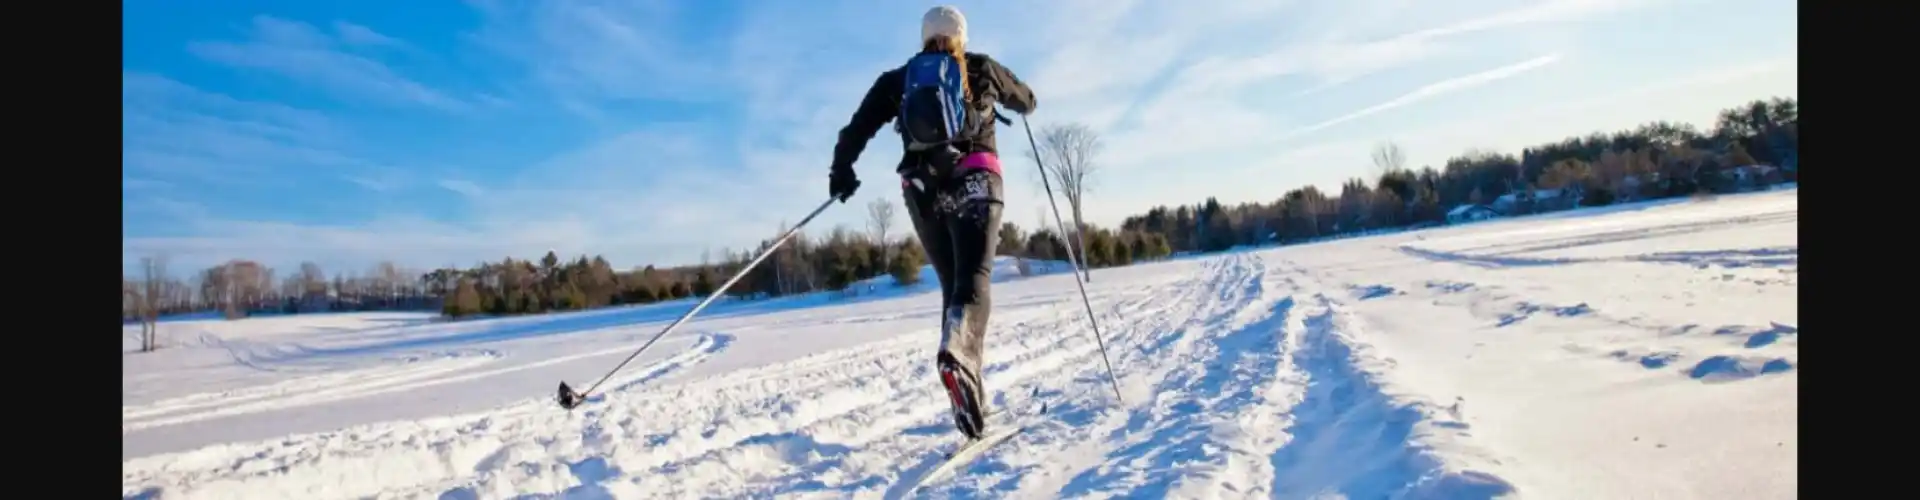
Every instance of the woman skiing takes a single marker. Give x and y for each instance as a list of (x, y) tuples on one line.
[(951, 182)]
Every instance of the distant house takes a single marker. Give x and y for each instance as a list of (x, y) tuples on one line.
[(1548, 200), (1538, 201), (1510, 204), (1629, 189), (1470, 213), (1747, 177), (313, 302)]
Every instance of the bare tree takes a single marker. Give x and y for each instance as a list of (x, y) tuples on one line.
[(237, 286), (313, 285), (153, 272), (129, 308), (387, 277), (779, 266), (1067, 153), (134, 305), (881, 213), (1387, 157), (291, 287)]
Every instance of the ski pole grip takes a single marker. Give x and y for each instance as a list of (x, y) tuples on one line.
[(1002, 118)]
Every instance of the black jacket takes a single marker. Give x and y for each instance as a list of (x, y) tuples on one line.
[(990, 82)]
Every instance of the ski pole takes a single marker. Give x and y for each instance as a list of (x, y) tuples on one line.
[(570, 399), (1111, 377)]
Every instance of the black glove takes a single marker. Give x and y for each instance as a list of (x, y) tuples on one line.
[(842, 183)]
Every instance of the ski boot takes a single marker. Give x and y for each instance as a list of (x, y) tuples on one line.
[(969, 413)]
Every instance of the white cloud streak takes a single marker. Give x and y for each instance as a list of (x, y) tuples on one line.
[(1435, 89), (1208, 107), (303, 53), (589, 51), (174, 130), (354, 34)]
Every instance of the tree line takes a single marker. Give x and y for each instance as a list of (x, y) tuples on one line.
[(242, 287), (510, 286), (805, 264), (1749, 147)]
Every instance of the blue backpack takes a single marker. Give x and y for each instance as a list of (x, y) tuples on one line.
[(933, 108)]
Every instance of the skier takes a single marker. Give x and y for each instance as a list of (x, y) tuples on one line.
[(952, 186)]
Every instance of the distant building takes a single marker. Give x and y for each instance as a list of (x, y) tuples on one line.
[(1538, 201), (1748, 177), (1470, 213), (1550, 200)]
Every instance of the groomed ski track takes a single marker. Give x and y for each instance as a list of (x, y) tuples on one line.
[(1248, 374)]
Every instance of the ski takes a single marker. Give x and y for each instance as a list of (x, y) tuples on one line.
[(975, 448), (966, 453)]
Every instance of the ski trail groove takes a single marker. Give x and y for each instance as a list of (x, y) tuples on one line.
[(850, 422), (1216, 390), (888, 407), (1084, 411), (304, 391), (1351, 439), (1080, 409), (445, 368), (1218, 287), (809, 425), (368, 460), (1056, 461)]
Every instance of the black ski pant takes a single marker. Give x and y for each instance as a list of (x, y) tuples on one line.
[(958, 223)]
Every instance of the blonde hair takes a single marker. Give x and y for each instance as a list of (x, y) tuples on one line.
[(947, 44)]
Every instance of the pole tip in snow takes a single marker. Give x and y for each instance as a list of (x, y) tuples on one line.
[(568, 398)]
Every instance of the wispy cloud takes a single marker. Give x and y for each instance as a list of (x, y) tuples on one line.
[(1206, 105), (589, 51), (282, 244), (173, 130), (465, 188), (1436, 89), (182, 143), (301, 52), (373, 184), (1690, 98), (1547, 11), (354, 34)]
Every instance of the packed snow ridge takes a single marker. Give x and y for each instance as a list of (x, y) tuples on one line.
[(1644, 351)]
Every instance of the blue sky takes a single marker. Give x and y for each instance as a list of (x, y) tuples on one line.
[(440, 133)]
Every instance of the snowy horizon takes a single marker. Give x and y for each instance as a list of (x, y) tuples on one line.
[(1597, 352)]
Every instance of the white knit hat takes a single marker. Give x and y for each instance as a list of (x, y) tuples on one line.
[(944, 20)]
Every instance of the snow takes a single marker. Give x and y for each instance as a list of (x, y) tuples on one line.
[(1630, 352)]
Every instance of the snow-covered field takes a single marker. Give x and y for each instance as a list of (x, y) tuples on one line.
[(1633, 352)]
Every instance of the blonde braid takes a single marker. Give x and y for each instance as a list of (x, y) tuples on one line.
[(960, 52), (947, 44)]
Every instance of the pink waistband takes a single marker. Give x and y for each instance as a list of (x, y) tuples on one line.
[(982, 160), (976, 161)]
